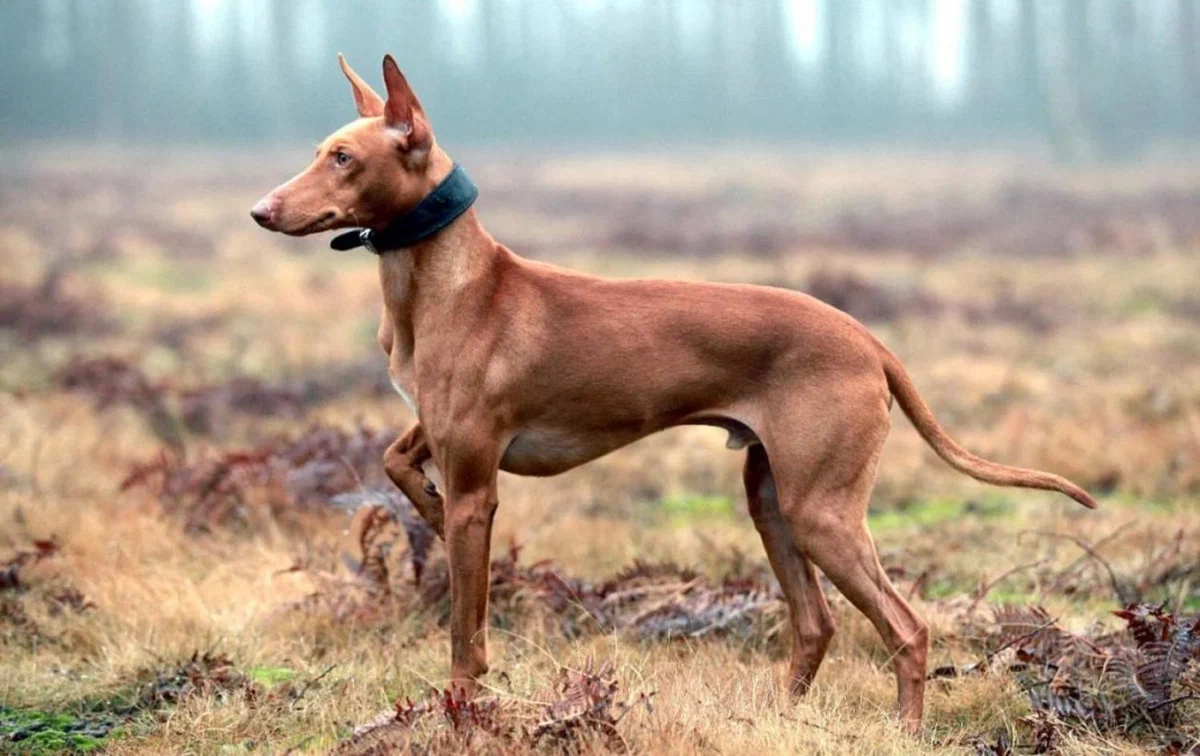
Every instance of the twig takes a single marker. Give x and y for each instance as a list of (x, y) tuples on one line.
[(1184, 592), (578, 599), (311, 683), (1091, 551), (835, 733), (299, 746), (1173, 701), (986, 588), (942, 672), (918, 583), (1143, 717), (1070, 570), (1171, 552)]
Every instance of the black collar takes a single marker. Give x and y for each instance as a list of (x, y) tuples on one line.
[(447, 201)]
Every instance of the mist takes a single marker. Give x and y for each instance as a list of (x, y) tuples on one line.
[(1081, 79)]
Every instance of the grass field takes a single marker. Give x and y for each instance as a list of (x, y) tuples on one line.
[(189, 406)]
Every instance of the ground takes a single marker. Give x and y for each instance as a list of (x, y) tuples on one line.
[(183, 395)]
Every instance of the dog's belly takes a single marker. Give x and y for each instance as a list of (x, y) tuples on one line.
[(550, 451), (542, 451)]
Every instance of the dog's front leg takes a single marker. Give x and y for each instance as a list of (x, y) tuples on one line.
[(403, 461), (471, 502)]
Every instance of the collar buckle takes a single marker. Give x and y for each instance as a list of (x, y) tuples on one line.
[(367, 237)]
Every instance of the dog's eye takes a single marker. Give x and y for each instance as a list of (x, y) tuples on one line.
[(342, 159)]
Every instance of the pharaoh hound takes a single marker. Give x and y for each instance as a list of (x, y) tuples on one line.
[(520, 366)]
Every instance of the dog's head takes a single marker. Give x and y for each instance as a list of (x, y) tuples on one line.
[(365, 173)]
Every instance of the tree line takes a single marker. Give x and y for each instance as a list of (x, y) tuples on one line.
[(1089, 78)]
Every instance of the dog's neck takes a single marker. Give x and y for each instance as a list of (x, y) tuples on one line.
[(428, 280), (450, 259)]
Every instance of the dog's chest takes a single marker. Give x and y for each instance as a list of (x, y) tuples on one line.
[(395, 274), (409, 395)]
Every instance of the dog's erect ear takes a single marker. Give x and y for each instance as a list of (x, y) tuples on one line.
[(403, 111), (369, 104)]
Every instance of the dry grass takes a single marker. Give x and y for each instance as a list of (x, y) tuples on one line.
[(1084, 360)]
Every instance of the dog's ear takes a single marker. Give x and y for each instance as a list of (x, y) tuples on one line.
[(369, 103), (403, 110)]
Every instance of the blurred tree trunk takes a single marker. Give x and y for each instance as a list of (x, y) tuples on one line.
[(1031, 76), (1066, 84), (918, 84), (120, 98), (838, 76), (981, 84), (1189, 66)]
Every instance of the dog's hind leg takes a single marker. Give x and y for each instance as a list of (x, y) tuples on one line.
[(404, 461), (847, 555), (811, 622), (824, 501)]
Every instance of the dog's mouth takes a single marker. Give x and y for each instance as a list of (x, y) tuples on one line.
[(321, 223)]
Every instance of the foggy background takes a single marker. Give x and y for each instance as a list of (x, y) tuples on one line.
[(1081, 79)]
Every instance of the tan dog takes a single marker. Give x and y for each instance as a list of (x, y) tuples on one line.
[(520, 366)]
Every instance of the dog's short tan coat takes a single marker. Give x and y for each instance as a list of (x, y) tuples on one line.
[(524, 367)]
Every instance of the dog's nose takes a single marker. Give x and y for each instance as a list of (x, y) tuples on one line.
[(263, 212)]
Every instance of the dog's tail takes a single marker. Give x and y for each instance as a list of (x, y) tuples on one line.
[(959, 458)]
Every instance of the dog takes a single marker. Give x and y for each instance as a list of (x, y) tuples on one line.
[(524, 367)]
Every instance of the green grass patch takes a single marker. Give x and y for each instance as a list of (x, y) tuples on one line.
[(958, 585), (946, 587), (688, 507), (1156, 504), (934, 511), (1144, 303), (40, 732), (271, 676)]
